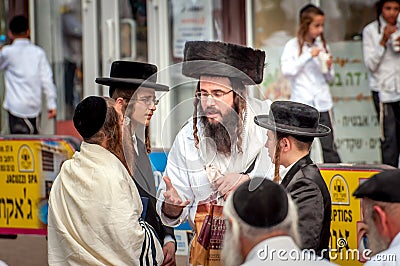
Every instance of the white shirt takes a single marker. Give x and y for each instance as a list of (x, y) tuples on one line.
[(281, 250), (27, 74), (186, 164), (382, 62), (308, 84), (390, 256)]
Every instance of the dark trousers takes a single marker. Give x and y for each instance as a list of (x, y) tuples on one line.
[(20, 125), (375, 98), (329, 150), (390, 143)]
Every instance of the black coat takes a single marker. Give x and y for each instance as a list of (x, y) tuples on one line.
[(144, 180), (311, 195)]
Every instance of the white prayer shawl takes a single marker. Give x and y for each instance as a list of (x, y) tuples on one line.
[(94, 214)]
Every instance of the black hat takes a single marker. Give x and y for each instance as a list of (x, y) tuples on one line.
[(131, 75), (260, 202), (223, 59), (294, 119), (90, 115), (381, 187)]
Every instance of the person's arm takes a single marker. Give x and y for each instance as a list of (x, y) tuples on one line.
[(175, 195), (169, 247), (309, 201), (49, 89), (3, 58), (373, 51), (291, 62)]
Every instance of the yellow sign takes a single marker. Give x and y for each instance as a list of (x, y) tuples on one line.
[(339, 190), (346, 235), (28, 168)]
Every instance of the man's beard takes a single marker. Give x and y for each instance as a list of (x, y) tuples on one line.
[(375, 241), (222, 133), (230, 253)]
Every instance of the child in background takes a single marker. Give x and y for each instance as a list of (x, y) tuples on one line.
[(306, 62)]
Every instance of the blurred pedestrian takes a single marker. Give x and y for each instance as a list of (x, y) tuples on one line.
[(382, 57), (27, 75), (306, 61)]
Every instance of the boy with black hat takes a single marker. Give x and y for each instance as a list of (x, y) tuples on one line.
[(292, 128), (220, 147), (133, 86), (381, 209), (94, 206), (261, 221)]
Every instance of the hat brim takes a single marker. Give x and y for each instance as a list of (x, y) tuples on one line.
[(129, 83), (266, 121)]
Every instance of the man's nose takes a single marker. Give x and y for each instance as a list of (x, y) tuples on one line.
[(153, 107), (210, 100)]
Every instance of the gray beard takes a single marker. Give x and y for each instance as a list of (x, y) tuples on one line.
[(230, 253), (223, 134), (375, 241)]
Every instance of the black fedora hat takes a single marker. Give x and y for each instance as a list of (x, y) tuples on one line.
[(131, 75), (294, 119), (212, 58)]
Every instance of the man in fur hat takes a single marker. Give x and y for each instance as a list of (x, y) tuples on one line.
[(133, 86), (220, 147), (291, 130)]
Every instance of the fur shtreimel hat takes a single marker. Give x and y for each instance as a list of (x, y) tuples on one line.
[(131, 75), (294, 119), (207, 58)]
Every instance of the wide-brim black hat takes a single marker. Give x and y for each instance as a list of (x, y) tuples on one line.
[(294, 119), (211, 58), (131, 75)]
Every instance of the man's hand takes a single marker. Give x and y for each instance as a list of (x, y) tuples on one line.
[(169, 254), (173, 204), (229, 182), (51, 113)]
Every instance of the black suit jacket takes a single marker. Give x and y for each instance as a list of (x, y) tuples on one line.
[(144, 180), (311, 195)]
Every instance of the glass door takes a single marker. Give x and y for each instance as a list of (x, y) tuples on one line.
[(113, 30)]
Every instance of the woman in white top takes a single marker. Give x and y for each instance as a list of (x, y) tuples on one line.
[(306, 62)]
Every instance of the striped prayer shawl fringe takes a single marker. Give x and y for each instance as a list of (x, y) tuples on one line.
[(149, 253)]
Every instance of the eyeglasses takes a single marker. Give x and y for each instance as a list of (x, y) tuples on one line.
[(214, 94), (150, 101)]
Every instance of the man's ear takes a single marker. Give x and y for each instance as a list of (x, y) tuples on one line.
[(120, 103), (10, 35), (285, 144), (381, 221)]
